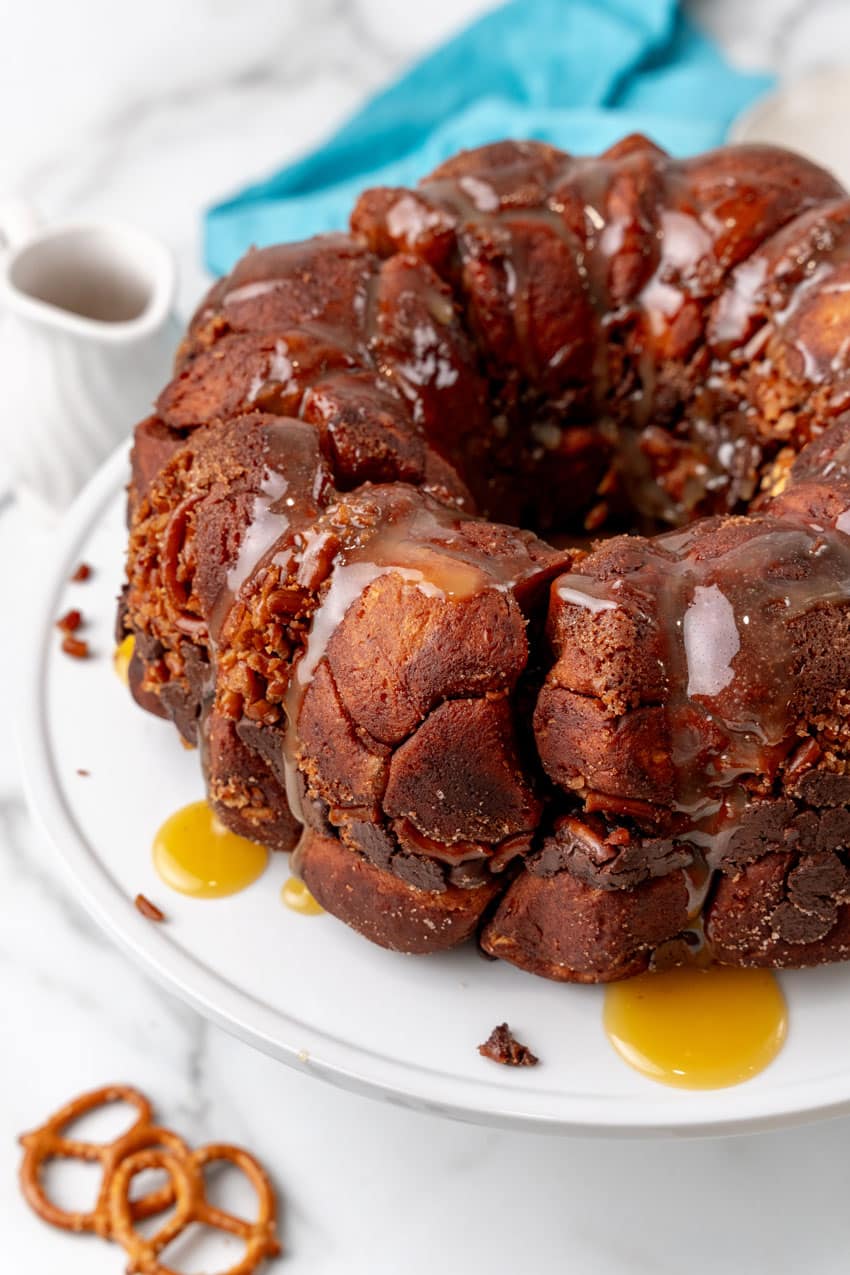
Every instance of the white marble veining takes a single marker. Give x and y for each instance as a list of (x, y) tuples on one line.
[(149, 112)]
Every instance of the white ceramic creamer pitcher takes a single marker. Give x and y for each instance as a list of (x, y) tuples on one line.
[(87, 339)]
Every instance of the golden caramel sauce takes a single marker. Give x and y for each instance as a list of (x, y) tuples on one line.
[(122, 656), (194, 853), (697, 1028), (295, 895)]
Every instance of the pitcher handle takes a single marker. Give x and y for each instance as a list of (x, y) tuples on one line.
[(18, 222)]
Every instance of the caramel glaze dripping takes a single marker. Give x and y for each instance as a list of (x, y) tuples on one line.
[(729, 627), (322, 551), (653, 242), (292, 494), (727, 615), (417, 540), (652, 260)]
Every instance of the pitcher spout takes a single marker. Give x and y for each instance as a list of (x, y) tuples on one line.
[(102, 280), (87, 336)]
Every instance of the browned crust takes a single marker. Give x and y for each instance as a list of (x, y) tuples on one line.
[(571, 932), (384, 908), (783, 910)]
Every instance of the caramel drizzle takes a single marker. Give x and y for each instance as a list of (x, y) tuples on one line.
[(423, 548), (476, 201), (285, 507), (688, 267), (684, 241), (705, 628)]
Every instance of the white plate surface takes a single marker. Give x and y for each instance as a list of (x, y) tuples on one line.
[(307, 989)]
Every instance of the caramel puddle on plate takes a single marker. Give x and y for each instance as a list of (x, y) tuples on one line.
[(122, 656), (194, 853), (697, 1028), (295, 895)]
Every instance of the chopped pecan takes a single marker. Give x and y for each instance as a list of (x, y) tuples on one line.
[(70, 621), (148, 909), (75, 647)]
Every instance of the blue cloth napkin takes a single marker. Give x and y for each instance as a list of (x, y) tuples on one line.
[(579, 73)]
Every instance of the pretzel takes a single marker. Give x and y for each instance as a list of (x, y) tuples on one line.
[(48, 1143), (191, 1206)]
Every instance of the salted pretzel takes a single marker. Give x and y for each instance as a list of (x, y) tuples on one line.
[(190, 1206), (47, 1142)]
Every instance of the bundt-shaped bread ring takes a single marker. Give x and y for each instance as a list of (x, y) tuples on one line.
[(594, 756)]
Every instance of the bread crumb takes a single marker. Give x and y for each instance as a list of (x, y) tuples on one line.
[(502, 1047)]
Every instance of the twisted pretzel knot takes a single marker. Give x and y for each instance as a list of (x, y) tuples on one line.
[(191, 1205), (48, 1143)]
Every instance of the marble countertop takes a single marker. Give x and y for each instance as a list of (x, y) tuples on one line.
[(150, 112)]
